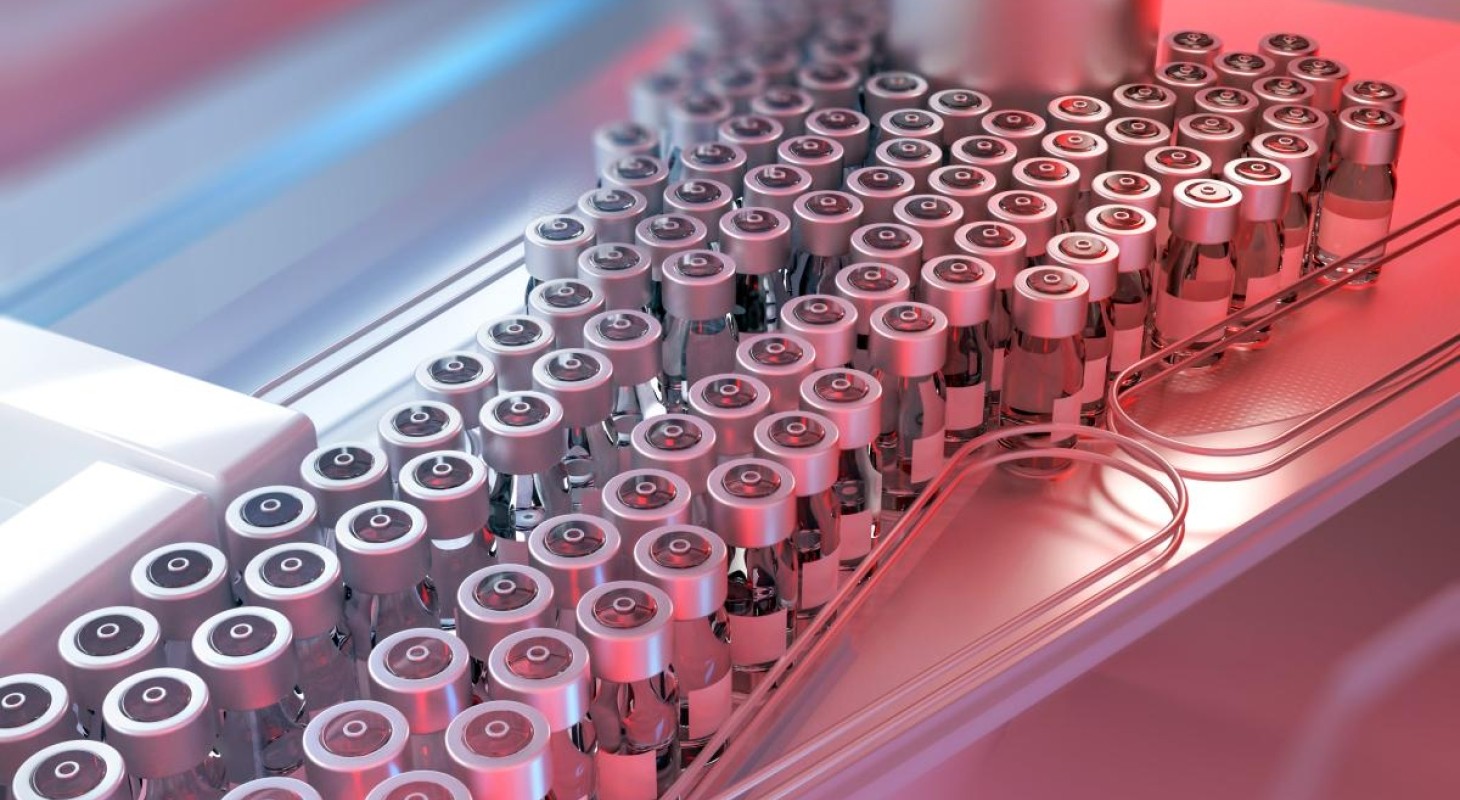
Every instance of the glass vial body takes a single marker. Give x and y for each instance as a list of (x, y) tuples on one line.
[(501, 749), (824, 222), (853, 401), (632, 341), (450, 489), (699, 327), (582, 382), (523, 440), (806, 443), (868, 287), (1133, 230), (909, 348), (753, 508), (1257, 243), (964, 289), (1094, 257), (1004, 247), (758, 240), (164, 724), (1357, 203), (1194, 288), (384, 556), (1047, 360), (548, 669)]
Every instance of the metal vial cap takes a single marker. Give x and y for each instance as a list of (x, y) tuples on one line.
[(827, 322), (699, 285), (462, 380), (933, 217), (1145, 100), (547, 669), (1078, 112), (1369, 135), (994, 153), (889, 91), (576, 552), (651, 95), (775, 186), (565, 303), (1050, 302), (1266, 186), (103, 646), (1306, 121), (34, 712), (423, 673), (908, 339), (694, 117), (1295, 152), (962, 287), (1172, 165), (1204, 211), (704, 199), (382, 547), (246, 655), (613, 212), (261, 518), (678, 443), (1086, 150), (71, 770), (419, 426), (1184, 79), (521, 432), (829, 84), (551, 244), (850, 398), (756, 135), (304, 582), (1240, 70), (627, 627), (351, 747), (630, 339), (752, 502), (1001, 245), (1090, 254), (804, 442), (500, 749), (665, 235), (1277, 89), (1325, 75), (1055, 178), (1188, 45), (690, 564), (917, 158), (960, 109), (821, 158), (1378, 94), (757, 239), (450, 488), (1132, 228), (1130, 138), (1219, 137), (890, 243), (643, 174), (580, 380), (1284, 48), (643, 498), (619, 273), (1239, 104), (182, 584), (1021, 128), (848, 128), (499, 600), (419, 784), (161, 720), (870, 285), (274, 789), (1127, 187), (724, 162), (1034, 213), (878, 188), (788, 105), (912, 123), (731, 403), (614, 140), (343, 475), (512, 343), (965, 185)]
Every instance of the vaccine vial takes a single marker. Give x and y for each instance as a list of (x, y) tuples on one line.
[(645, 175), (425, 674), (721, 162), (663, 236), (909, 348), (824, 222), (1130, 138), (67, 770), (1020, 128), (1325, 76), (781, 360), (731, 403), (925, 227), (261, 518), (1301, 158), (1134, 232), (613, 214), (753, 508), (1046, 366), (1197, 275), (828, 323), (868, 287), (694, 118), (775, 186), (1120, 187), (704, 199), (787, 105), (450, 489), (512, 343), (628, 627), (1279, 90), (304, 583), (848, 128), (1240, 70), (1184, 79), (735, 82), (576, 552), (465, 381), (912, 123), (641, 499), (621, 138), (550, 247), (1077, 112), (1094, 257), (1377, 94), (960, 110), (420, 783), (699, 325), (822, 159), (100, 648), (1087, 152), (246, 656), (1219, 137), (892, 91), (419, 427), (682, 444), (1005, 248), (1306, 121), (164, 724), (968, 187), (618, 273), (830, 84), (964, 289), (1051, 179), (915, 157), (273, 789), (806, 444), (582, 383), (1196, 46), (1257, 243), (548, 670), (1170, 166), (1145, 101), (852, 400), (1285, 48), (1035, 214), (497, 601), (758, 240), (690, 564), (501, 749), (35, 712), (1227, 101), (564, 303), (181, 585), (757, 135), (631, 340), (1357, 203), (343, 475), (384, 556), (352, 747), (523, 440), (993, 153)]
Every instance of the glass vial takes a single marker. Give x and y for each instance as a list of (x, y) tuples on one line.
[(501, 749), (1134, 232), (931, 218), (246, 656), (1241, 70), (1088, 153), (564, 303), (914, 157), (497, 601), (463, 381), (1077, 112), (612, 214), (273, 789), (912, 123), (523, 440), (420, 784), (35, 712), (1377, 94), (344, 475), (1184, 79), (822, 159), (1194, 287), (852, 400), (968, 187), (1194, 46), (576, 552), (645, 175), (699, 326), (1238, 104), (259, 519), (68, 770), (164, 724), (758, 240), (848, 128), (1257, 244), (182, 585), (351, 747), (100, 648), (619, 273), (1130, 139), (621, 138), (628, 629), (1357, 204), (425, 674), (419, 427), (450, 489), (781, 360), (705, 200), (1119, 187), (960, 110), (868, 287), (721, 162), (641, 499), (806, 444), (994, 154), (1146, 101), (513, 344), (583, 384), (775, 186), (662, 236), (828, 323), (824, 222), (1285, 48), (1046, 366), (1053, 179), (964, 289), (830, 84), (1301, 157), (756, 135), (1170, 166), (1094, 257), (909, 348), (787, 105), (732, 404), (682, 444), (1035, 215), (1219, 137), (1005, 248), (548, 669), (631, 340), (1020, 128), (384, 556), (753, 508), (550, 247)]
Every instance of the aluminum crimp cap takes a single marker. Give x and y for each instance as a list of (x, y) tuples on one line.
[(825, 221), (690, 564), (547, 669), (870, 285), (1184, 79), (1092, 255), (960, 110), (418, 784), (451, 489), (1369, 135), (1087, 151), (695, 116), (1220, 137), (512, 343), (892, 90), (962, 287), (1296, 153), (161, 720), (565, 303), (1278, 89), (500, 749), (965, 185), (916, 157), (994, 153), (1284, 48), (830, 85), (582, 381), (932, 217), (757, 239), (804, 442), (269, 515), (646, 175), (779, 359), (752, 502), (1266, 186), (304, 582), (351, 747), (1377, 94), (757, 135), (731, 403), (736, 82), (664, 235), (1197, 46), (908, 339), (912, 123), (343, 475), (775, 186), (850, 398), (35, 711), (1055, 178), (678, 443), (704, 199), (1172, 165), (246, 655), (619, 273), (1050, 302), (1131, 138), (827, 322), (1306, 121), (1021, 128), (613, 213), (1204, 211), (423, 673), (1001, 245), (462, 380), (274, 789), (1132, 228), (1125, 187), (641, 499), (628, 629), (1240, 70), (420, 426), (71, 770), (614, 140), (630, 339), (699, 285), (501, 599), (521, 432), (103, 646), (551, 244), (785, 104), (576, 552), (1145, 100), (182, 584), (821, 158), (1078, 112), (1325, 76), (848, 128), (382, 547), (1034, 213), (1239, 104)]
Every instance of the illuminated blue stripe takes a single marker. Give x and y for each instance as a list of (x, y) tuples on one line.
[(489, 46)]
